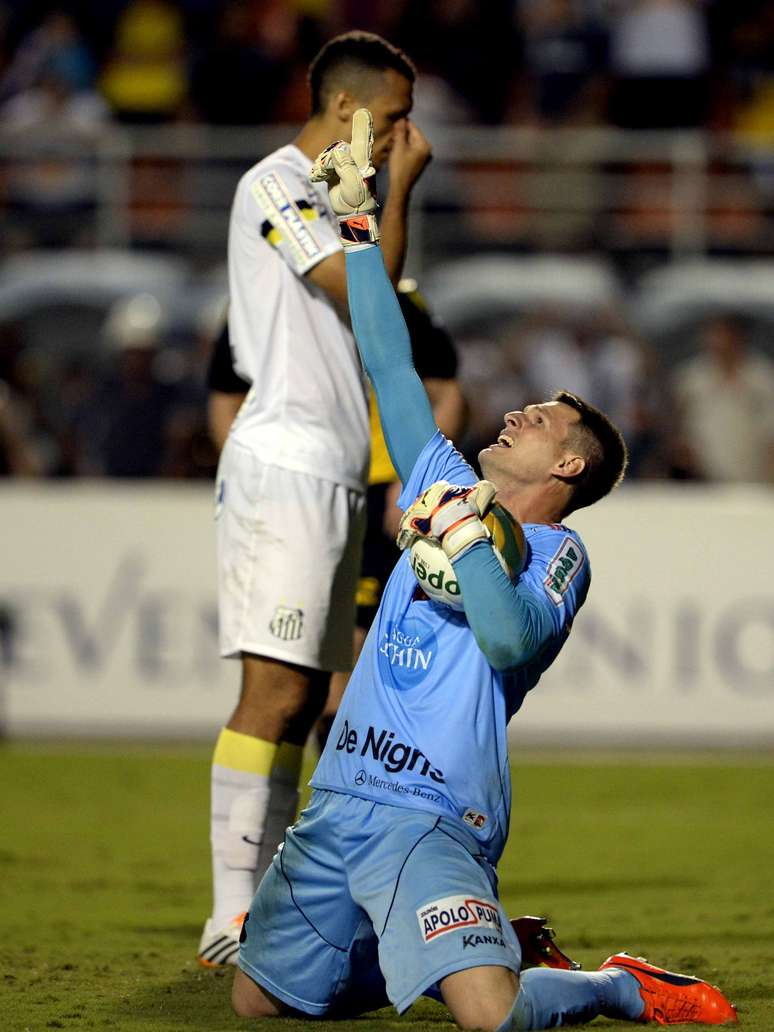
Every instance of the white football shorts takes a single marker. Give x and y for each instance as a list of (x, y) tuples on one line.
[(289, 550)]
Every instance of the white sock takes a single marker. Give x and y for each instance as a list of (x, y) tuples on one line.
[(240, 796), (239, 802), (254, 799)]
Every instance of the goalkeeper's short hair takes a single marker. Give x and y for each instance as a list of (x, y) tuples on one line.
[(602, 446), (346, 59)]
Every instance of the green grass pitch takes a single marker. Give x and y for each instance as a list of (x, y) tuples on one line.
[(104, 873)]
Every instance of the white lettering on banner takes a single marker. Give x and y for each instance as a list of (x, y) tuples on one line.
[(680, 644), (156, 638), (454, 912), (744, 647), (90, 644)]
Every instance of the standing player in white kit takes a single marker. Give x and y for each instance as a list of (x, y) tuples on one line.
[(291, 481)]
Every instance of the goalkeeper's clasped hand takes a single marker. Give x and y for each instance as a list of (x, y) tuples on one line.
[(348, 171), (449, 514)]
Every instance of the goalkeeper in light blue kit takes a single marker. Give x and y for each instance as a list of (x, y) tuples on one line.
[(386, 888)]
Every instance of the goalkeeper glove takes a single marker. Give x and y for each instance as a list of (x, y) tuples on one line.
[(450, 515), (350, 176)]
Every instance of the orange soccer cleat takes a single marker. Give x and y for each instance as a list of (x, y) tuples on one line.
[(670, 998)]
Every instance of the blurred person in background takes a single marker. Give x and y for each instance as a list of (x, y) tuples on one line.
[(19, 455), (56, 44), (751, 76), (660, 62), (565, 64), (124, 424), (724, 408), (469, 45), (72, 410), (290, 507), (189, 451), (51, 188), (145, 78), (28, 439), (563, 84), (239, 77)]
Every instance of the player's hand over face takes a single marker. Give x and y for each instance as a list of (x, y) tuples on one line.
[(411, 152)]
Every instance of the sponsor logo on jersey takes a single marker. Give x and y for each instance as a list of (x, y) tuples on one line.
[(454, 912), (481, 940), (284, 214), (561, 570), (407, 651), (382, 745), (287, 624), (474, 818), (383, 785)]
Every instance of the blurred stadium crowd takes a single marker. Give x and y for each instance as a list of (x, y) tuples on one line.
[(118, 387), (633, 63)]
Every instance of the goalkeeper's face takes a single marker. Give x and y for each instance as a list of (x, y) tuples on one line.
[(532, 447)]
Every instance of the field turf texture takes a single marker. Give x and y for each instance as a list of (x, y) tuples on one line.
[(104, 870)]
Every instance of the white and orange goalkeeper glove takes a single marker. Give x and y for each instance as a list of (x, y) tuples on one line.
[(347, 169), (449, 514)]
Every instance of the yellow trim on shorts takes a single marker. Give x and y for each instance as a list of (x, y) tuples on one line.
[(243, 752)]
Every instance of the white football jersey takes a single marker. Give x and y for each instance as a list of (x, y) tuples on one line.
[(307, 408)]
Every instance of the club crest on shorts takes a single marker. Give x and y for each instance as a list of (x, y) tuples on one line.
[(287, 624), (454, 912)]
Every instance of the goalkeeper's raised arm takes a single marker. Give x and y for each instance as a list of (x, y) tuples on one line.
[(377, 321), (548, 460)]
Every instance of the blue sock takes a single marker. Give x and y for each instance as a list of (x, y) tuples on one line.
[(549, 998)]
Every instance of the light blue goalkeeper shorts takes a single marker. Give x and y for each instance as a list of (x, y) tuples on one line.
[(366, 904)]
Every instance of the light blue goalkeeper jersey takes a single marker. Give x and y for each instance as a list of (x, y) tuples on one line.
[(423, 721)]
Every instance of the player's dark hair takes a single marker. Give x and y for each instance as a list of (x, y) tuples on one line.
[(344, 59), (603, 448)]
